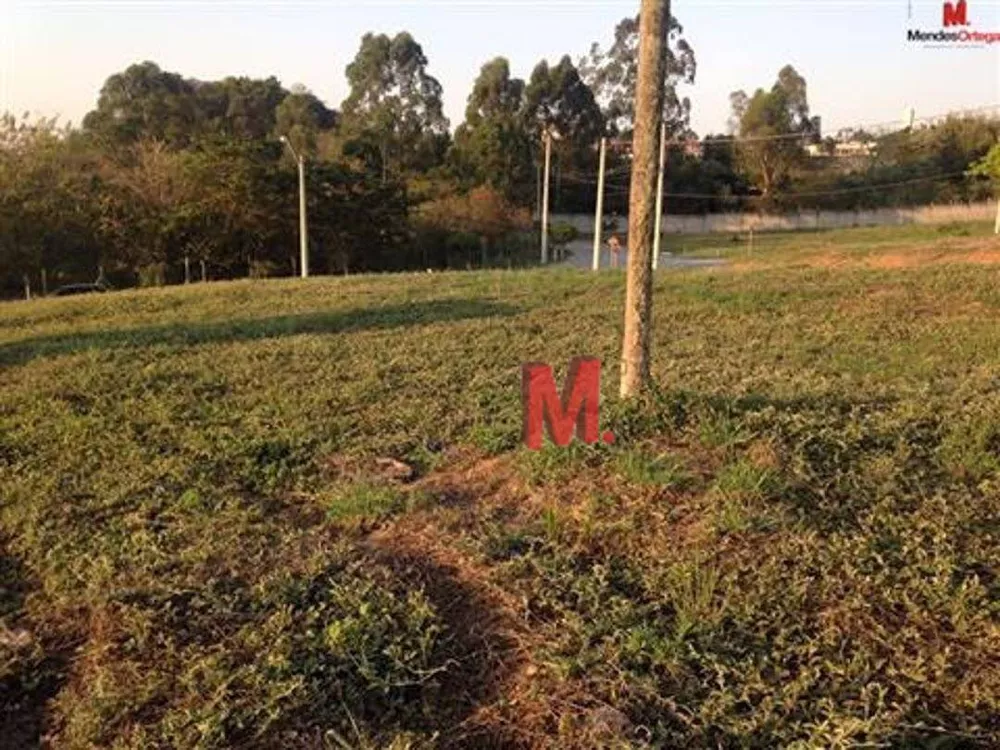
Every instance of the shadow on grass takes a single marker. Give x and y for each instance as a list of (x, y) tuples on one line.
[(35, 664), (482, 654), (193, 334)]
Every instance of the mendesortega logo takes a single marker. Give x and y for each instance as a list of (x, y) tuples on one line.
[(954, 14)]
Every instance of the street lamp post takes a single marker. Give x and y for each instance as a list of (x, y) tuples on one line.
[(548, 135), (303, 230)]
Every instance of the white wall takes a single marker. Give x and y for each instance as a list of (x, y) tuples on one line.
[(742, 222)]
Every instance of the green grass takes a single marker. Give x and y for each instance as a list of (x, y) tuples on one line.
[(793, 541), (789, 244)]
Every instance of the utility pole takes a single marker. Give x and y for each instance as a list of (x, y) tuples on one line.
[(547, 137), (303, 229), (599, 211), (653, 21), (538, 191), (657, 231)]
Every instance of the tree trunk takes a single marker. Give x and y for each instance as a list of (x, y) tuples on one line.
[(653, 17)]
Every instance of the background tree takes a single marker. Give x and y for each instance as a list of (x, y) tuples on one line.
[(557, 97), (772, 126), (302, 117), (143, 209), (239, 107), (611, 74), (989, 167), (469, 227), (48, 206), (492, 147), (144, 101), (395, 104)]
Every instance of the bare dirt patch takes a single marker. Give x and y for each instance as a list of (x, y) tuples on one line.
[(896, 261), (985, 257)]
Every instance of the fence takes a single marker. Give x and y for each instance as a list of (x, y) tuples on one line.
[(743, 222)]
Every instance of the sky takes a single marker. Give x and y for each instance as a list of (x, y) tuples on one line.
[(55, 55)]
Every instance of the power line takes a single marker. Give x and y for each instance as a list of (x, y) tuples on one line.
[(839, 191), (803, 194), (802, 136)]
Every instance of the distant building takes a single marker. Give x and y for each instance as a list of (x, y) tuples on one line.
[(854, 148), (843, 149)]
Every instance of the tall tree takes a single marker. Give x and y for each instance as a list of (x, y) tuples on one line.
[(240, 107), (48, 205), (989, 166), (772, 126), (395, 104), (556, 96), (301, 117), (654, 18), (492, 146), (612, 73), (144, 101), (145, 195)]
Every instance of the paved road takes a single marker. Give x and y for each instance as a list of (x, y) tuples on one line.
[(583, 251)]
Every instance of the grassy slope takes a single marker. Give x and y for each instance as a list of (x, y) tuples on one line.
[(794, 540)]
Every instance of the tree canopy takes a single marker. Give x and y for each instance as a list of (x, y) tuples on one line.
[(771, 126), (611, 74), (493, 147), (394, 106)]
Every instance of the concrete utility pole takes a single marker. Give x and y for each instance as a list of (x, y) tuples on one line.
[(538, 191), (547, 137), (657, 231), (599, 211), (653, 22), (303, 229)]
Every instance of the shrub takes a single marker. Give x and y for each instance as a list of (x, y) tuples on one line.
[(477, 222), (153, 274), (263, 269)]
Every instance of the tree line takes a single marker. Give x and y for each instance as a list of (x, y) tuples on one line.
[(168, 174)]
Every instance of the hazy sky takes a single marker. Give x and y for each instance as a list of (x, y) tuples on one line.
[(54, 56)]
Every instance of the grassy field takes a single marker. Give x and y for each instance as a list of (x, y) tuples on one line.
[(296, 514)]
